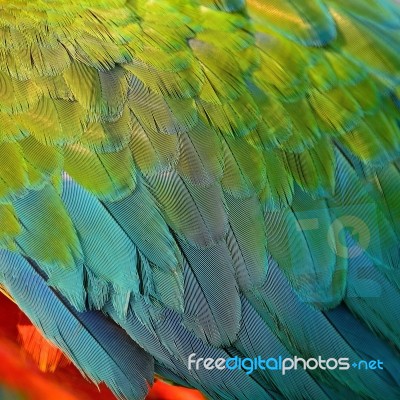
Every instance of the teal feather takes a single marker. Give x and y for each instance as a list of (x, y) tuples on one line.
[(231, 188), (200, 316), (372, 296), (297, 239), (246, 240), (108, 252), (365, 343), (33, 211), (358, 211), (387, 182), (255, 339), (141, 219), (171, 337), (99, 348), (305, 331), (195, 213), (213, 269)]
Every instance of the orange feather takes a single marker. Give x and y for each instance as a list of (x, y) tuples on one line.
[(33, 368)]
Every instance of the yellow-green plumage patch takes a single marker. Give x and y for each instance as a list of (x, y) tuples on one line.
[(248, 100), (203, 172)]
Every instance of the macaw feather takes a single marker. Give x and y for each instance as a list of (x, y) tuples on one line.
[(313, 169), (243, 164), (366, 284), (286, 81), (387, 183), (13, 172), (111, 176), (258, 338), (316, 271), (357, 210), (108, 355), (186, 208), (9, 129), (279, 189), (274, 127), (226, 312), (200, 156), (183, 83), (109, 136), (307, 331), (53, 122), (221, 70), (11, 226), (213, 175), (115, 265), (304, 120), (366, 94), (308, 23), (159, 260), (17, 95), (42, 162), (228, 119), (163, 115), (354, 34), (363, 142), (46, 356), (336, 110), (248, 250)]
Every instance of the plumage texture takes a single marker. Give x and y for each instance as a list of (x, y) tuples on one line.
[(215, 176), (33, 368)]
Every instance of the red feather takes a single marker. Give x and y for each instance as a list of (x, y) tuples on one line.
[(34, 368)]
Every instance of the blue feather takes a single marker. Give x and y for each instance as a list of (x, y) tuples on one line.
[(100, 349), (109, 255), (371, 296), (171, 344), (365, 343), (213, 269), (255, 339), (306, 331)]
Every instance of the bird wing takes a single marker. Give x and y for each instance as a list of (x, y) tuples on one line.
[(204, 173)]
